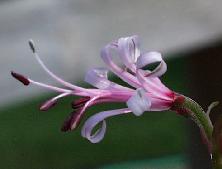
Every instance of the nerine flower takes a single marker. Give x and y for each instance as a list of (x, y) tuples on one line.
[(147, 92)]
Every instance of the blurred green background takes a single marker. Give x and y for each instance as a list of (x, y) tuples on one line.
[(32, 139)]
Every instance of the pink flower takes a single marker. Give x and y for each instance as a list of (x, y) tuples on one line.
[(147, 92)]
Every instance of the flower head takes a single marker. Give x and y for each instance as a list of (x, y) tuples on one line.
[(147, 92)]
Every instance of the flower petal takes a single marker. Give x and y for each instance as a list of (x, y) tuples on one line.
[(149, 58), (98, 77), (129, 51), (124, 75), (139, 102), (153, 85), (96, 119)]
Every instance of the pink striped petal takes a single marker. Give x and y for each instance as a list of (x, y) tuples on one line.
[(150, 85), (159, 104), (139, 102), (98, 77), (96, 119)]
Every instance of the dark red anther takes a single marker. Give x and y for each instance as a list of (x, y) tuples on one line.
[(47, 105), (75, 117), (80, 102), (73, 121), (20, 78)]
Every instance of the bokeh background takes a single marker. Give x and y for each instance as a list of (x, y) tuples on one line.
[(69, 36)]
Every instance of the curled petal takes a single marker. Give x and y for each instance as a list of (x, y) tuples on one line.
[(124, 75), (107, 58), (139, 102), (135, 40), (129, 51), (149, 58), (96, 119)]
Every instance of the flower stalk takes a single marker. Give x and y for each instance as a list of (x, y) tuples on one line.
[(212, 134)]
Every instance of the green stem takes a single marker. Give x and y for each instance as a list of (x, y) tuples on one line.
[(213, 134), (200, 117)]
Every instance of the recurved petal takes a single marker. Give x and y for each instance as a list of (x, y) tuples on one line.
[(96, 119), (124, 75), (129, 51), (135, 40), (107, 57), (149, 58), (139, 102)]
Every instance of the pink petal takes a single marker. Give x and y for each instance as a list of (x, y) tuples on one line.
[(96, 119), (98, 77), (124, 75), (150, 86), (160, 104)]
